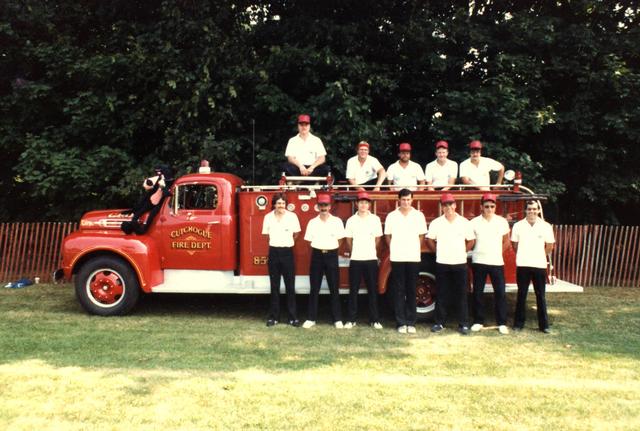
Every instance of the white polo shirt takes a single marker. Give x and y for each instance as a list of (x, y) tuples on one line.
[(405, 177), (307, 152), (280, 231), (451, 237), (439, 175), (324, 235), (531, 241), (363, 172), (363, 231), (489, 233), (406, 232), (480, 174)]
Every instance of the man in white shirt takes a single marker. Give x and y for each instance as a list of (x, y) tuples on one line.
[(365, 169), (451, 236), (305, 152), (403, 230), (492, 238), (363, 233), (442, 172), (475, 170), (324, 232), (532, 239), (283, 228), (404, 173)]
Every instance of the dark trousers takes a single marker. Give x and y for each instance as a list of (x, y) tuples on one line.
[(324, 264), (281, 264), (404, 276), (496, 274), (292, 170), (525, 275), (451, 285), (367, 270)]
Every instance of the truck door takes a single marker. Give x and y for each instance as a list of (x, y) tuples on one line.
[(192, 229)]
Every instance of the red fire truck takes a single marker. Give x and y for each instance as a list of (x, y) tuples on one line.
[(207, 239)]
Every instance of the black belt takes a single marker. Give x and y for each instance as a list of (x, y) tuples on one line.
[(320, 250)]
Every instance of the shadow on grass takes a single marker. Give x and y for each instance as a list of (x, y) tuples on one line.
[(228, 332), (212, 332), (600, 321)]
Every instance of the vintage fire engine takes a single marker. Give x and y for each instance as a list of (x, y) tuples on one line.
[(207, 239)]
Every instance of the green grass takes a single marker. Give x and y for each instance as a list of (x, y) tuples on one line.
[(208, 362)]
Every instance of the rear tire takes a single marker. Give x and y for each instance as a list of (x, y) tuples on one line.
[(426, 295), (107, 286)]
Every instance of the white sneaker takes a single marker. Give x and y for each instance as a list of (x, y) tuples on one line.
[(411, 329), (476, 327), (402, 329), (503, 329), (377, 325), (338, 324), (309, 324), (349, 325)]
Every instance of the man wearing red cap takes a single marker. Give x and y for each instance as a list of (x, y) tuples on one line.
[(363, 233), (492, 238), (324, 232), (442, 172), (305, 152), (532, 239), (404, 173), (364, 169), (475, 170), (451, 236), (403, 231)]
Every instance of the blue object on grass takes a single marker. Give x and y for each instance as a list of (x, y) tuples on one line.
[(23, 282)]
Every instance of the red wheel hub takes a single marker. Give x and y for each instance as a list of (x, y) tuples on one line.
[(106, 287), (425, 291)]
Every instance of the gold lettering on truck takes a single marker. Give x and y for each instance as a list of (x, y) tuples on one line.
[(190, 229), (193, 242)]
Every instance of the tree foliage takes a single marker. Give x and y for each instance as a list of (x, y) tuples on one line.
[(93, 94)]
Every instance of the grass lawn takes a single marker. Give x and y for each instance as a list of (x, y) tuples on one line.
[(208, 362)]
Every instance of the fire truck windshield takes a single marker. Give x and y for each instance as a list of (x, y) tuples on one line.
[(195, 197)]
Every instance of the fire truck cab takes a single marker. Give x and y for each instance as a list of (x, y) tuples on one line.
[(208, 238)]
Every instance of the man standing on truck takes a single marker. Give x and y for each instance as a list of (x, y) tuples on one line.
[(282, 227), (532, 239), (403, 231), (492, 238), (324, 232), (364, 169), (305, 152), (404, 173), (363, 233), (442, 172), (475, 170), (451, 236)]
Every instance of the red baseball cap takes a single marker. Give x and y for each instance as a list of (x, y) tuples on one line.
[(363, 144), (363, 196), (405, 146), (304, 118), (442, 144), (475, 145), (446, 198), (488, 197), (324, 199)]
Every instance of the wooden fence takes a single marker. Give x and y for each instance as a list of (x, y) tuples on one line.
[(31, 249), (587, 255), (594, 255)]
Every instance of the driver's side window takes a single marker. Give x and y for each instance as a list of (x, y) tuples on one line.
[(195, 197)]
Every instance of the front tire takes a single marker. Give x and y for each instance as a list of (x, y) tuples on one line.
[(107, 286)]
